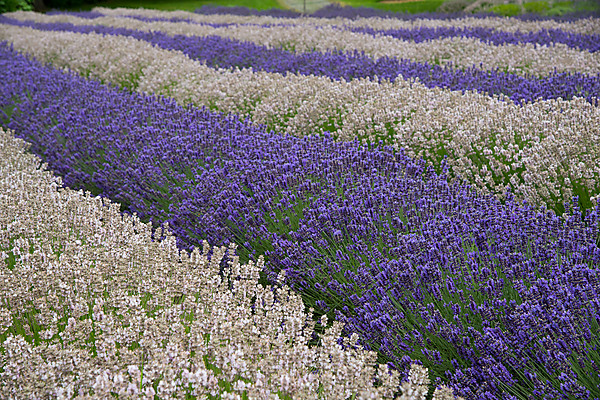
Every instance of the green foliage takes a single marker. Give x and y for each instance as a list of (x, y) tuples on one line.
[(536, 7), (185, 5), (412, 7), (15, 5), (561, 8), (68, 3), (508, 10), (584, 5), (419, 6)]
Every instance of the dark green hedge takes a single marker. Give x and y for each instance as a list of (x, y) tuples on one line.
[(15, 5)]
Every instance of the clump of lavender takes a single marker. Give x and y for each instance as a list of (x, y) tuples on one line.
[(501, 295), (499, 301)]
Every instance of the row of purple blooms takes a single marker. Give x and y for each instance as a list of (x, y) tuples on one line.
[(221, 52), (542, 37), (500, 301), (336, 11)]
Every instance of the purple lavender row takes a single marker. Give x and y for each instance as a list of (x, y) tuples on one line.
[(228, 53), (498, 300), (335, 11), (544, 37)]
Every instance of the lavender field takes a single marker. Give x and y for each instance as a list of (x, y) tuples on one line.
[(236, 205)]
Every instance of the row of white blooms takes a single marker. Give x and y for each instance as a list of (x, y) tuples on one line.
[(584, 25), (461, 52), (84, 269), (553, 141)]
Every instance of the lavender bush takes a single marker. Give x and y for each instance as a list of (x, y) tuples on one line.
[(498, 300)]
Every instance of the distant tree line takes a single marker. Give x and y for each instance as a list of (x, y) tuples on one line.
[(40, 5)]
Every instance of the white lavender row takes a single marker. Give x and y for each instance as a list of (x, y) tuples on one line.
[(525, 58), (582, 26), (545, 151), (84, 270)]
